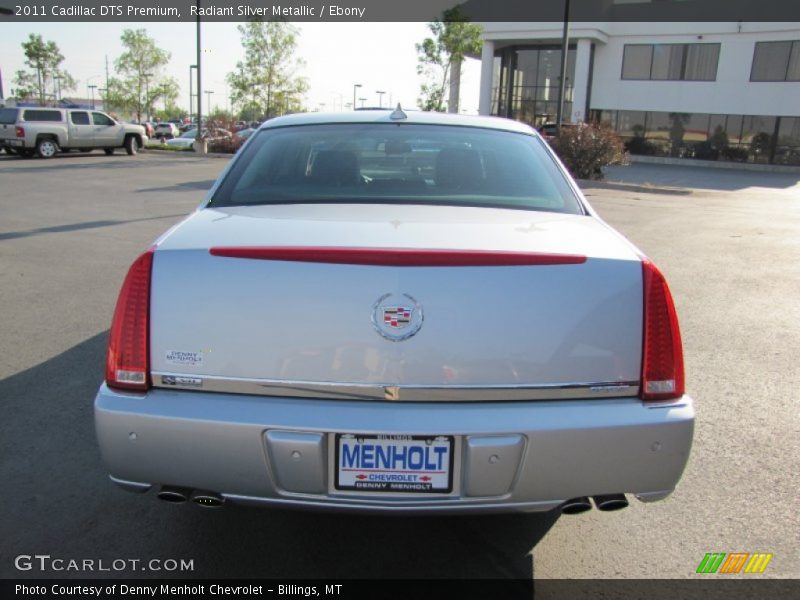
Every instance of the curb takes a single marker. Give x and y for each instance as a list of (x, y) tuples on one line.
[(188, 153), (715, 164), (633, 187)]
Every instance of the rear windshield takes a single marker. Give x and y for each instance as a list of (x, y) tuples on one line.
[(396, 163), (8, 116), (42, 115)]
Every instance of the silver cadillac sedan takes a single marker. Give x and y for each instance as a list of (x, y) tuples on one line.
[(395, 312)]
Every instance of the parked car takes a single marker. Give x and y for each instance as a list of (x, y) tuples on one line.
[(166, 131), (46, 131), (185, 140), (149, 130), (245, 133), (334, 329)]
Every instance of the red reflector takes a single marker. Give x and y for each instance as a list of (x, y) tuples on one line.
[(19, 131), (398, 257), (128, 359), (662, 354)]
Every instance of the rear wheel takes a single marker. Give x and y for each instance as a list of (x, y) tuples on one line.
[(108, 151), (46, 148), (131, 145)]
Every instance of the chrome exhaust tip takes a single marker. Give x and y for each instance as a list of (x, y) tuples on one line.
[(610, 502), (207, 499), (173, 495), (576, 506)]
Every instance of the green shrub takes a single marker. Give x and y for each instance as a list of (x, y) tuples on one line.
[(705, 151), (761, 143), (735, 153), (226, 145), (586, 148), (639, 145)]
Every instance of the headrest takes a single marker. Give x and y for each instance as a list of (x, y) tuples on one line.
[(458, 168), (338, 167)]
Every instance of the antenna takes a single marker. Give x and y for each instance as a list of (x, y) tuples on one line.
[(398, 114)]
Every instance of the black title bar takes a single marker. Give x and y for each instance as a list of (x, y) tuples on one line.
[(707, 587), (398, 10)]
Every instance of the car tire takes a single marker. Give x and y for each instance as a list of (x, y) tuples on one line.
[(46, 148), (108, 151), (131, 145)]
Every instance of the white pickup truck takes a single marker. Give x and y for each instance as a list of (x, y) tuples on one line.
[(46, 131)]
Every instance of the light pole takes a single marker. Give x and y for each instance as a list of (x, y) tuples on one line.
[(92, 88), (199, 79), (380, 98), (89, 86), (147, 77), (208, 99), (3, 11), (104, 96), (563, 83), (341, 101), (362, 101), (355, 85), (191, 93)]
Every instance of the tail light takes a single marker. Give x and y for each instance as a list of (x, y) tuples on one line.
[(662, 354), (20, 131), (128, 360)]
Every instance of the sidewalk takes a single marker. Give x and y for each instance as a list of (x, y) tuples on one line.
[(680, 180)]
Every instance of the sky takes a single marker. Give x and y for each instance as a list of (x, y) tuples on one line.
[(379, 56)]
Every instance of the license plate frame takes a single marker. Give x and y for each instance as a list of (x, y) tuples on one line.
[(377, 480)]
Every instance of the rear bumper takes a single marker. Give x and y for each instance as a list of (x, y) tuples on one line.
[(509, 456)]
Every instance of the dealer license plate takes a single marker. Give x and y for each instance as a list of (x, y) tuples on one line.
[(394, 463)]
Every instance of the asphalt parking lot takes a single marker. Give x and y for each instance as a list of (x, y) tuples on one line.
[(728, 242)]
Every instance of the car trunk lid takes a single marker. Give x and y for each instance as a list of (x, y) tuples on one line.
[(224, 317)]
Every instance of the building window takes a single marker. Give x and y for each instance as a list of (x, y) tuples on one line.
[(529, 83), (636, 61), (776, 61), (670, 62), (740, 138)]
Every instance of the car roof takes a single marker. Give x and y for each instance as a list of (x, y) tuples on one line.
[(412, 116)]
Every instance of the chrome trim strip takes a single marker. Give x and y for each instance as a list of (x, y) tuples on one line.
[(399, 393)]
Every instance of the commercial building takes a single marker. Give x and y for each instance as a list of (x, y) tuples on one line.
[(713, 90)]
